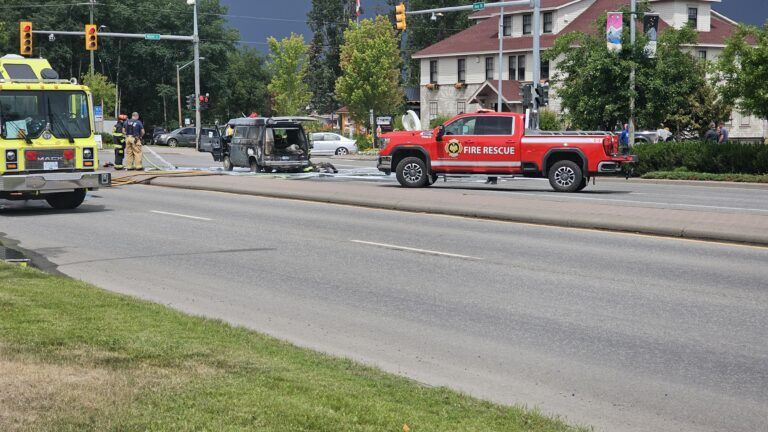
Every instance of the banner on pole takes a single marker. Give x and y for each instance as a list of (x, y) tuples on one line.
[(651, 29), (613, 28)]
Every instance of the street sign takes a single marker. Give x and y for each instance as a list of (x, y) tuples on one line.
[(478, 6), (151, 36), (98, 113)]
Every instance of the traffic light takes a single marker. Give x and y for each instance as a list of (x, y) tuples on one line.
[(25, 38), (542, 95), (526, 94), (400, 17), (204, 101), (190, 102), (91, 37)]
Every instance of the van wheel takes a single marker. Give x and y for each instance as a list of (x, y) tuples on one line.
[(66, 200), (565, 176), (227, 164), (255, 167), (412, 172)]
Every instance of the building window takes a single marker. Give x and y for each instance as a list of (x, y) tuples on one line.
[(744, 120), (433, 71), (547, 22), (489, 68), (545, 69), (521, 68), (702, 54), (693, 17), (507, 24), (527, 23), (462, 69), (432, 111), (512, 67), (461, 107)]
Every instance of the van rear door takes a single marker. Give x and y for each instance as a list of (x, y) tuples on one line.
[(210, 142)]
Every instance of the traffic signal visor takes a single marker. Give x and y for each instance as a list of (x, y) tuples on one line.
[(400, 17), (91, 37), (25, 38)]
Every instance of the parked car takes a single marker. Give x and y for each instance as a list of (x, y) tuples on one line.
[(328, 143), (151, 135), (181, 137)]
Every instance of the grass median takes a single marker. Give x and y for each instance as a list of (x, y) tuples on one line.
[(687, 175), (74, 357)]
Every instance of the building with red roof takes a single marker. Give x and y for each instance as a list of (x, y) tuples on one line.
[(461, 72)]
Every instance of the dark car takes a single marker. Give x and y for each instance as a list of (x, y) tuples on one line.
[(261, 144), (181, 137), (151, 135)]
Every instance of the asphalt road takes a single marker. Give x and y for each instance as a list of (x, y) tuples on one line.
[(623, 332)]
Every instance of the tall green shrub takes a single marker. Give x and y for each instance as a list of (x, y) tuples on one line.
[(702, 157)]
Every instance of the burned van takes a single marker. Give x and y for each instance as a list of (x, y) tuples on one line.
[(261, 144)]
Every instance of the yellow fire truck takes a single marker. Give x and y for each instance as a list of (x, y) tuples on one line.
[(47, 145)]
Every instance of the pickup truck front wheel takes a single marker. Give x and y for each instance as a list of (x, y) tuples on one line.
[(412, 172), (66, 200), (565, 176)]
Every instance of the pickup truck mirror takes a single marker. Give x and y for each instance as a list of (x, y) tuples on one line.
[(439, 132)]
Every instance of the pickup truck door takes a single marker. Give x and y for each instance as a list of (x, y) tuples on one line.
[(479, 144)]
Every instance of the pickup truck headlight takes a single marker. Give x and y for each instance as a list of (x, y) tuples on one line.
[(88, 153), (10, 156), (384, 142)]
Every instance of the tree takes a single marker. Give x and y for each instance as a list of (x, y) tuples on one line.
[(549, 121), (742, 70), (370, 65), (423, 31), (288, 67), (327, 19), (593, 83), (135, 66), (102, 90), (246, 85)]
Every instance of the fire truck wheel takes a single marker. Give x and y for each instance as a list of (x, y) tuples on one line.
[(583, 184), (565, 176), (227, 164), (412, 172), (66, 200)]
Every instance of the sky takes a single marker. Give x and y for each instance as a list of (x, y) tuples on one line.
[(258, 19)]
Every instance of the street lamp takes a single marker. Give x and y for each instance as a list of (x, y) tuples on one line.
[(178, 85)]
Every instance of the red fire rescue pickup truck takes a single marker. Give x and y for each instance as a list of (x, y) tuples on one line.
[(497, 144)]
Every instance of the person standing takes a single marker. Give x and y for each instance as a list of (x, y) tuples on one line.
[(624, 139), (712, 135), (723, 134), (118, 137), (134, 130)]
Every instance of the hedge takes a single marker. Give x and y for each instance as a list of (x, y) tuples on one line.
[(702, 157)]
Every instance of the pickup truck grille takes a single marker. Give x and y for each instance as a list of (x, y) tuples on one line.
[(49, 160)]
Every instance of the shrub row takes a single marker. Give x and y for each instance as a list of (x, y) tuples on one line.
[(698, 156)]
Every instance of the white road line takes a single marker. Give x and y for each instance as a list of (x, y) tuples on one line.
[(180, 215), (409, 249)]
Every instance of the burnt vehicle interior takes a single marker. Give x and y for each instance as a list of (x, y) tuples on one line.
[(285, 140)]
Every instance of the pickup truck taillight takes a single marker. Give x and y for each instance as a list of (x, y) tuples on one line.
[(611, 145)]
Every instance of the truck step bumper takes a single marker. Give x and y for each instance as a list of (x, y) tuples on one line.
[(54, 182)]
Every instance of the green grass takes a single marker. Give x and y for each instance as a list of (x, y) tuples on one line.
[(687, 175), (74, 357)]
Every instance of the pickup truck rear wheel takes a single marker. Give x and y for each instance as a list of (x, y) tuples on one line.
[(565, 176), (66, 200), (412, 172)]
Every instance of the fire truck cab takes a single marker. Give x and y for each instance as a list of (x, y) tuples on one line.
[(47, 145)]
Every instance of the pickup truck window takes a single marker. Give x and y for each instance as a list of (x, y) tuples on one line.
[(489, 125), (462, 126)]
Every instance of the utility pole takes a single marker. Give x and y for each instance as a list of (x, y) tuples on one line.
[(178, 91), (632, 24), (536, 61), (501, 57), (196, 48)]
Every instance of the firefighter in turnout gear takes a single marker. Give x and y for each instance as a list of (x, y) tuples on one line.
[(118, 136), (134, 130)]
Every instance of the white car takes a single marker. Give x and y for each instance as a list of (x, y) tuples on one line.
[(327, 143)]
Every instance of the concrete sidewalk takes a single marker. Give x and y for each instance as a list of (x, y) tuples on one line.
[(693, 224)]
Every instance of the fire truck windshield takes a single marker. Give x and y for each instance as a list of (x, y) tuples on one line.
[(28, 113)]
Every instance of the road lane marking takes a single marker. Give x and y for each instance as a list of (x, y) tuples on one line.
[(180, 215), (410, 249)]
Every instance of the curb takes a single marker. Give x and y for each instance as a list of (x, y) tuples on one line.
[(691, 233)]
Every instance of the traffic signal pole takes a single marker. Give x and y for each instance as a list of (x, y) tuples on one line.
[(196, 48), (632, 37)]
